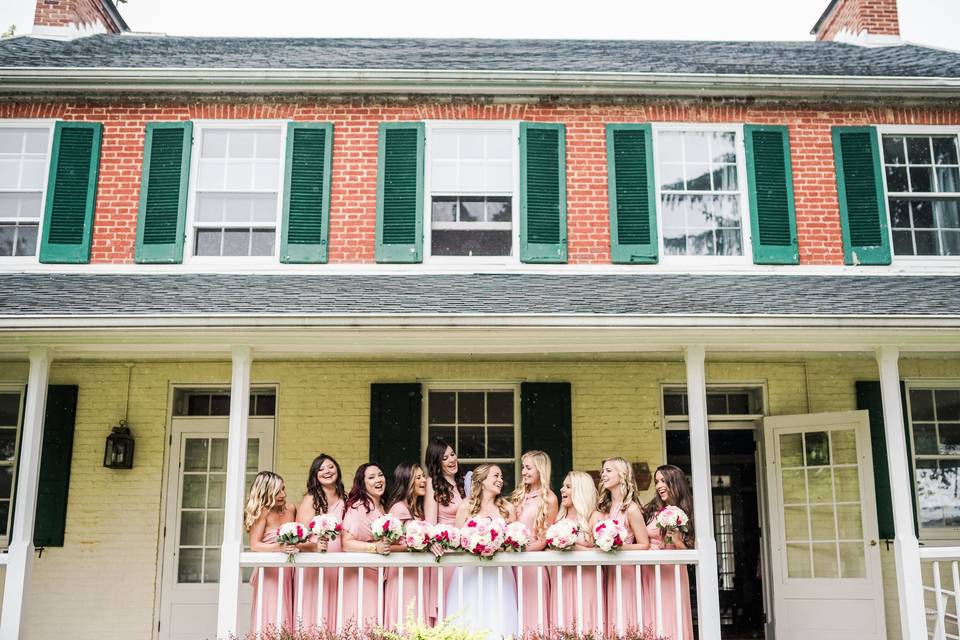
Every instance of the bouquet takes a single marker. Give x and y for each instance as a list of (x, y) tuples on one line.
[(516, 537), (417, 535), (326, 527), (447, 537), (562, 535), (609, 535), (671, 519), (482, 536), (291, 533), (387, 528)]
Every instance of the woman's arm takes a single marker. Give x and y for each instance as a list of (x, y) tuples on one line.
[(431, 510), (639, 527), (256, 537), (304, 514), (539, 543), (462, 512)]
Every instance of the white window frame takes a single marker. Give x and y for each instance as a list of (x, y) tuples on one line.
[(466, 125), (455, 386), (199, 126), (21, 390), (912, 130), (44, 123), (742, 191), (940, 534)]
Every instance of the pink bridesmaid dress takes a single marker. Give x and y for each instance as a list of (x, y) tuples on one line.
[(357, 521), (628, 587), (393, 614), (446, 514), (566, 616), (535, 581), (311, 578), (668, 593), (271, 616)]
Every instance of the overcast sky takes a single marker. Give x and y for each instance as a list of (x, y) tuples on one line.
[(931, 22)]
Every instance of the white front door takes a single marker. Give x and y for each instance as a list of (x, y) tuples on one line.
[(194, 523), (823, 524)]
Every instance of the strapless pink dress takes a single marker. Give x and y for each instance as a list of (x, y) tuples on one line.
[(311, 580), (446, 514), (535, 581), (272, 616), (668, 594), (566, 616)]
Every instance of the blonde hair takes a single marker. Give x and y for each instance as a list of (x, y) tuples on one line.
[(263, 495), (541, 462), (476, 491), (628, 487), (583, 495)]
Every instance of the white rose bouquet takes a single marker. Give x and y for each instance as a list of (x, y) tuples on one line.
[(562, 535), (292, 533), (609, 535), (387, 528), (416, 534), (482, 536), (516, 537), (326, 527), (670, 519)]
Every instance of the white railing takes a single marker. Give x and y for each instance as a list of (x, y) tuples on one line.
[(941, 586), (558, 563)]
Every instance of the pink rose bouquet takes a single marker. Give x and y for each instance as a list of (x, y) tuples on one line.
[(482, 536), (516, 537), (292, 533), (671, 519), (326, 527), (562, 535), (387, 528), (416, 534), (609, 535), (446, 536)]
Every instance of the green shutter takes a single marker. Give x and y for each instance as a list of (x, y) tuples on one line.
[(863, 213), (770, 176), (546, 424), (543, 193), (395, 424), (55, 458), (163, 192), (71, 192), (306, 199), (400, 192), (870, 399), (632, 194)]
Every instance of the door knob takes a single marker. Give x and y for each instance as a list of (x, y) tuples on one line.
[(873, 543)]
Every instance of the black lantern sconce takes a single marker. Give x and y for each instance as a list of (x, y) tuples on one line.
[(119, 450)]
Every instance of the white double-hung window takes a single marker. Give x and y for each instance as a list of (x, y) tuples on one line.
[(24, 153), (471, 190), (701, 191), (236, 189)]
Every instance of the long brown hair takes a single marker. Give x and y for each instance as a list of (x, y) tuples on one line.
[(680, 496), (358, 492), (315, 489), (628, 487), (404, 490), (434, 460), (476, 491)]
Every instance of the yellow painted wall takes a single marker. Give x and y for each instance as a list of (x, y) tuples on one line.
[(102, 583)]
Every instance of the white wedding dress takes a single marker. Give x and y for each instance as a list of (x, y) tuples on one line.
[(483, 603)]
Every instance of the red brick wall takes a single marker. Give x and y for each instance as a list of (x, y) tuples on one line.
[(61, 13), (353, 188), (877, 17)]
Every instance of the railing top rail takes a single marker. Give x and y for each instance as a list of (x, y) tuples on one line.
[(503, 559), (940, 553)]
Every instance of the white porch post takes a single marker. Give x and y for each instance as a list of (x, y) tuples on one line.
[(909, 580), (20, 551), (708, 588), (233, 500)]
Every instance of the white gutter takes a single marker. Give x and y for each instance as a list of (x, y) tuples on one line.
[(385, 81)]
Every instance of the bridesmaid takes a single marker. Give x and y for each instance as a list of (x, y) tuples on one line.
[(445, 492), (325, 494), (537, 507), (672, 489), (406, 503), (619, 500), (363, 506), (578, 501), (266, 509)]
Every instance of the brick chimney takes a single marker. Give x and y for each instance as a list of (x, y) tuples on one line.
[(75, 18), (859, 20)]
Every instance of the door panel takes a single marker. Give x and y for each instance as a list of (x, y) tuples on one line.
[(825, 559)]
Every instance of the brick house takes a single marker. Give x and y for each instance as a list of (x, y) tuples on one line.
[(736, 257)]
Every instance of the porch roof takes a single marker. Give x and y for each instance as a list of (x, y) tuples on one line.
[(76, 295)]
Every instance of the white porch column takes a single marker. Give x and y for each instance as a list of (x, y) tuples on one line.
[(20, 551), (234, 498), (909, 580), (708, 587)]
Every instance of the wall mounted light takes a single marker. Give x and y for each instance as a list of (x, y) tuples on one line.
[(118, 453)]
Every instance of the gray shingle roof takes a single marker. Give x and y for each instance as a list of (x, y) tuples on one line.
[(623, 56), (602, 294)]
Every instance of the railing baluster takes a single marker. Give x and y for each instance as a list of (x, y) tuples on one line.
[(298, 618), (637, 590), (559, 591), (420, 595), (359, 620), (956, 592), (320, 589), (440, 610), (520, 601), (260, 577), (940, 630), (380, 596), (658, 614), (281, 575), (677, 602), (600, 598), (580, 599), (619, 585), (401, 610), (500, 591), (339, 599), (479, 586), (460, 571), (540, 599)]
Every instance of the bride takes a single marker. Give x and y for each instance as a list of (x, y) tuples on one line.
[(486, 611)]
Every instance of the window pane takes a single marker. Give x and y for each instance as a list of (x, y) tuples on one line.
[(791, 449), (698, 177), (470, 409), (444, 209), (26, 240), (921, 179), (471, 243), (918, 150), (673, 404), (852, 561), (218, 452), (695, 146), (211, 565), (849, 522), (189, 566), (798, 560), (449, 434), (948, 179), (949, 439), (8, 234), (471, 209), (930, 492), (208, 242), (500, 442), (716, 403), (927, 243), (9, 409), (820, 485), (4, 516), (442, 407), (499, 210), (723, 147), (263, 242), (796, 527), (947, 214), (945, 150), (847, 484), (253, 454), (500, 407), (219, 404), (266, 405), (194, 491), (191, 528), (948, 404), (921, 404), (844, 446), (471, 442), (896, 179), (893, 151), (924, 438), (817, 448), (214, 144), (824, 560), (236, 242), (195, 454), (823, 522), (214, 535), (6, 482), (8, 444)]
